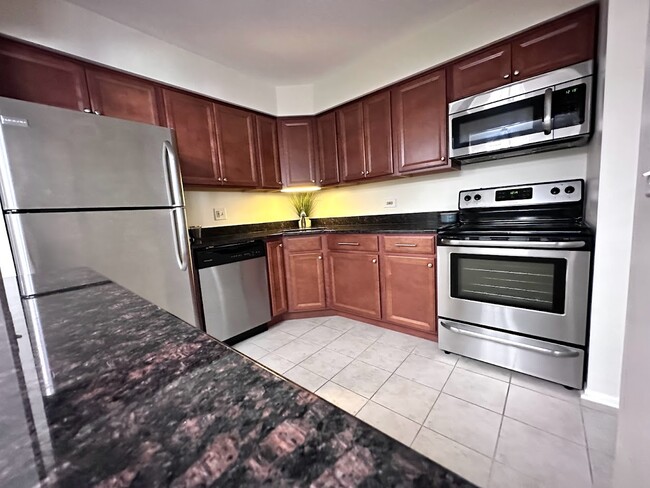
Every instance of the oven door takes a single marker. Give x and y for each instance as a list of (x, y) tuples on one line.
[(538, 292)]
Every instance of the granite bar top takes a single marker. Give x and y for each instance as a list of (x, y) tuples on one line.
[(424, 222), (102, 388)]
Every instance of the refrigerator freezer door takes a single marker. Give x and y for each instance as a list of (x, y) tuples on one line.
[(52, 158), (145, 251)]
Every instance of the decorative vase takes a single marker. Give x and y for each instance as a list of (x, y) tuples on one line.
[(302, 221)]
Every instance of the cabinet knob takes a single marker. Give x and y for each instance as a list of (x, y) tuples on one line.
[(430, 265), (279, 182), (88, 111), (374, 261), (363, 173), (225, 179), (280, 245), (516, 72), (506, 76), (219, 178), (320, 257), (442, 158), (313, 181), (97, 112), (321, 181)]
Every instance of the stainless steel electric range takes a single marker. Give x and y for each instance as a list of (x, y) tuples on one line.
[(514, 279)]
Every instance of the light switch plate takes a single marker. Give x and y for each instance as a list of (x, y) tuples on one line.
[(390, 203), (219, 214)]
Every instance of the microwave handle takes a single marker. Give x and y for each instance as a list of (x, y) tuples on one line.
[(548, 108)]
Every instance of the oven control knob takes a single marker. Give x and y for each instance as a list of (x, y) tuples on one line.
[(477, 197), (569, 189), (468, 198), (555, 190)]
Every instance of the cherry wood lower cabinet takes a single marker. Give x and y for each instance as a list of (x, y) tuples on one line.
[(305, 281), (409, 291), (277, 283), (354, 283)]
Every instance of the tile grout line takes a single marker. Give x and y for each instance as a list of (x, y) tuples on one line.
[(584, 429), (434, 403), (496, 444)]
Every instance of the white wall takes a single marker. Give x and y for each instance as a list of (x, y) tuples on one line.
[(624, 65), (440, 192), (295, 99), (478, 24), (66, 27), (241, 207)]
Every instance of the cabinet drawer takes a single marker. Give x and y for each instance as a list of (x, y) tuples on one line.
[(297, 244), (353, 242), (410, 244)]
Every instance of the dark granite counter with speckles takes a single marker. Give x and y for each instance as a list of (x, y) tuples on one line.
[(101, 388), (415, 223)]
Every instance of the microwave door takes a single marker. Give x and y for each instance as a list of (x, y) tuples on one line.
[(514, 122)]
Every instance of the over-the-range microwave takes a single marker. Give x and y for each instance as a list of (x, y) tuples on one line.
[(539, 114)]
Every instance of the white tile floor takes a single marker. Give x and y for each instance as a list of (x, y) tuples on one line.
[(494, 427)]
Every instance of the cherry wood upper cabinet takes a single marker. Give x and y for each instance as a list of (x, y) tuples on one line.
[(192, 118), (277, 283), (352, 155), (236, 146), (328, 159), (125, 97), (485, 70), (297, 150), (562, 42), (409, 291), (305, 281), (354, 283), (268, 155), (420, 123), (38, 76), (377, 135)]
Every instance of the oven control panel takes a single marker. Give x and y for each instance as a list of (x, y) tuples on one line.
[(567, 191)]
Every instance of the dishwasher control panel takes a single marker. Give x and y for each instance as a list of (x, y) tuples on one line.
[(229, 253)]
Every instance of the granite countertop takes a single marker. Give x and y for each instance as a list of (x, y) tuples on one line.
[(426, 222), (116, 392)]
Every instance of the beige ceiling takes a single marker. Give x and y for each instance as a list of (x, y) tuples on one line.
[(284, 42)]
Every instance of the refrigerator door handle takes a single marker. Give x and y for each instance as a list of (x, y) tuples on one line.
[(182, 252), (173, 174)]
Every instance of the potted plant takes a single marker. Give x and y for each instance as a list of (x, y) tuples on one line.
[(303, 204)]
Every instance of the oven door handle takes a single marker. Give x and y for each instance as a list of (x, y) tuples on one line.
[(548, 111), (517, 244), (566, 353)]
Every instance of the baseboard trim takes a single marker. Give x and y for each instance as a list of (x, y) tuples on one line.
[(600, 398)]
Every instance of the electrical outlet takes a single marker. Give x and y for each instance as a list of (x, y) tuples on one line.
[(219, 213), (390, 203)]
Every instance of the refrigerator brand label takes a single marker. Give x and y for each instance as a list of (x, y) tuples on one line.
[(4, 120)]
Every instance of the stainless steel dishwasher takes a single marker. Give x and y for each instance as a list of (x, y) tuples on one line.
[(234, 288)]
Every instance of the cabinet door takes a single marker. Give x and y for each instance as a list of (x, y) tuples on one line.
[(236, 146), (354, 282), (193, 120), (305, 281), (36, 75), (297, 151), (125, 97), (560, 43), (409, 291), (328, 158), (277, 283), (377, 135), (480, 72), (420, 123), (268, 156), (352, 156)]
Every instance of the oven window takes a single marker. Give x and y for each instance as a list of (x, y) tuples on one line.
[(530, 283), (509, 120)]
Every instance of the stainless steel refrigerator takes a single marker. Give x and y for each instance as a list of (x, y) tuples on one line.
[(87, 198)]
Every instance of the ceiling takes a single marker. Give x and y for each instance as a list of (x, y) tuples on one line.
[(285, 42)]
